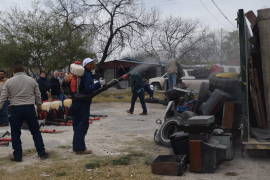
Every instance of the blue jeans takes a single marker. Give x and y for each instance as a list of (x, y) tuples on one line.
[(135, 95), (4, 114), (171, 80), (20, 114), (80, 112)]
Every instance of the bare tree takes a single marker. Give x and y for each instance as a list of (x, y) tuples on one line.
[(116, 22), (172, 38)]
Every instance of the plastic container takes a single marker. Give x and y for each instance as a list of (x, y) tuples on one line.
[(180, 143)]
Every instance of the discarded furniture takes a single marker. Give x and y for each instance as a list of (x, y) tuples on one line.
[(169, 165)]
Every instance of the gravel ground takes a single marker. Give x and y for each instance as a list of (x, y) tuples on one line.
[(106, 136), (109, 136)]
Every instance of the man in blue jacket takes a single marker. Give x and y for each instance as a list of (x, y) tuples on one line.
[(137, 88), (80, 109)]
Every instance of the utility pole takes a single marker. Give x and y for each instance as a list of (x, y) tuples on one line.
[(221, 50)]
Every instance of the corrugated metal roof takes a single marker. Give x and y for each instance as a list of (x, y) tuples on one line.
[(131, 60)]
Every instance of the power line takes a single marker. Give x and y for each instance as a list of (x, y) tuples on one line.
[(223, 14), (208, 10), (161, 2)]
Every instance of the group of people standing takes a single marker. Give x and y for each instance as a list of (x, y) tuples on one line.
[(54, 86), (25, 97)]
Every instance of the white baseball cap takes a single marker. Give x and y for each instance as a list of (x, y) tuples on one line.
[(87, 61)]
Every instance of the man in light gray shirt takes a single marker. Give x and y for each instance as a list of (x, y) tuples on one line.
[(23, 93)]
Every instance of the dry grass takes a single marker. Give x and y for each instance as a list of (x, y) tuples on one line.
[(134, 163), (113, 168), (121, 95)]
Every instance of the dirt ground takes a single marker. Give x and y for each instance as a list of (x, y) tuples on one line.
[(120, 132)]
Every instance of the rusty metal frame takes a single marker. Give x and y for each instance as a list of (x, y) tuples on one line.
[(248, 143)]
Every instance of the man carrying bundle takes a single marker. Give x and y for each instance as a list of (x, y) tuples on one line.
[(80, 108)]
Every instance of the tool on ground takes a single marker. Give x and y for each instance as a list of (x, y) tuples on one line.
[(98, 115), (53, 131), (94, 119)]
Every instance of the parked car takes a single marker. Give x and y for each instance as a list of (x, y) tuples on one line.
[(160, 83)]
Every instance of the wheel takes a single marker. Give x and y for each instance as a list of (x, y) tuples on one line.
[(156, 86), (167, 129)]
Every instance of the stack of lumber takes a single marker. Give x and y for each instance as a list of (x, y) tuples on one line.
[(259, 66)]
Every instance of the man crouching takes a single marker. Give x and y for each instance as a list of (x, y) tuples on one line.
[(23, 93)]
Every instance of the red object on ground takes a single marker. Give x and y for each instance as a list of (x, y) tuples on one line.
[(5, 139), (47, 131), (94, 119)]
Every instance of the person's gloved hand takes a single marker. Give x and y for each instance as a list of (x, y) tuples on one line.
[(102, 82), (97, 83)]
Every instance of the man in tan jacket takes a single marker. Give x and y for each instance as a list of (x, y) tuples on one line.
[(4, 110), (175, 72), (23, 93)]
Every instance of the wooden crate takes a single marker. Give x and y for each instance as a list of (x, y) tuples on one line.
[(169, 165)]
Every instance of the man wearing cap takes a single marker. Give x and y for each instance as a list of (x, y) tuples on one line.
[(23, 93), (80, 109)]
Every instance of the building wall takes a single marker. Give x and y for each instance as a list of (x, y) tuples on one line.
[(109, 74)]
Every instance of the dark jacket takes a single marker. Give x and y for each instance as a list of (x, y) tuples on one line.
[(55, 87), (87, 84), (43, 87), (137, 84)]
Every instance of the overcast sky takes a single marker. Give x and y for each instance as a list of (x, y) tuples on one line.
[(202, 10)]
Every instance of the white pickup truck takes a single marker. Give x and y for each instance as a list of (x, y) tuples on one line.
[(191, 82)]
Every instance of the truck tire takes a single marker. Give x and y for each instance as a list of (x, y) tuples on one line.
[(167, 129), (231, 86)]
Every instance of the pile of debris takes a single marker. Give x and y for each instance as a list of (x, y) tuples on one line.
[(200, 130), (202, 135)]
